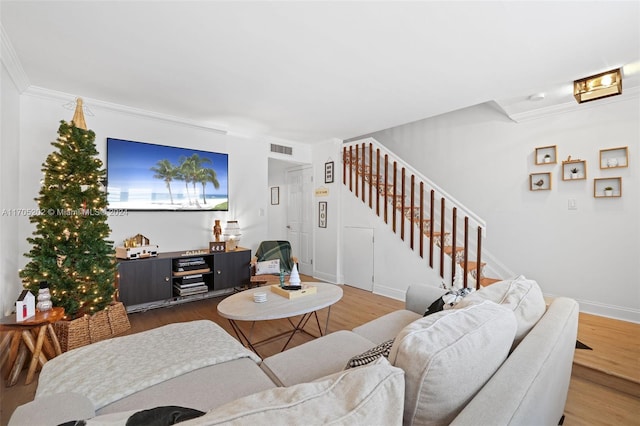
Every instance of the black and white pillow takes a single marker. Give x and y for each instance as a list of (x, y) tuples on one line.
[(371, 355)]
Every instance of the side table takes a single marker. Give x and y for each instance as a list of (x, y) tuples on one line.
[(20, 336)]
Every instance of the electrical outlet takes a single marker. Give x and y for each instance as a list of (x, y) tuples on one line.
[(572, 205)]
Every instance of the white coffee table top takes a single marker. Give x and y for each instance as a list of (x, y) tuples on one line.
[(241, 306)]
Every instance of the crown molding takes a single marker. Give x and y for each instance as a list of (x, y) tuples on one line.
[(12, 63), (95, 104), (630, 93)]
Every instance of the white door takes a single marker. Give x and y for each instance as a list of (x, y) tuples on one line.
[(300, 216), (358, 257)]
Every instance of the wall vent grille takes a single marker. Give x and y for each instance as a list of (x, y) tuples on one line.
[(281, 149)]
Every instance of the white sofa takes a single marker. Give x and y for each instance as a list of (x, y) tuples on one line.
[(500, 357)]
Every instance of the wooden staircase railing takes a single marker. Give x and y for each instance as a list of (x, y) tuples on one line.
[(380, 181)]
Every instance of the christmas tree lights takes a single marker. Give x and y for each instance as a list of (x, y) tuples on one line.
[(69, 249)]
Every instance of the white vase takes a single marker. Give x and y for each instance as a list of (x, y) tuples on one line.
[(608, 192), (612, 162), (574, 176)]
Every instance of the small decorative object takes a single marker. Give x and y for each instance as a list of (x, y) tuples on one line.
[(612, 162), (574, 173), (322, 214), (294, 278), (275, 195), (217, 246), (608, 191), (137, 247), (260, 297), (328, 172), (281, 277), (540, 181), (25, 305), (547, 158), (44, 297), (217, 230), (232, 234)]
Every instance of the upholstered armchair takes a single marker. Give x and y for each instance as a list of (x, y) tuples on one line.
[(271, 257)]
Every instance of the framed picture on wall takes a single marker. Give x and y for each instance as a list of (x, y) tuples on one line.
[(328, 172), (275, 195), (322, 214)]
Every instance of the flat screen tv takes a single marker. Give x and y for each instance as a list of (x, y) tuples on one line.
[(144, 176)]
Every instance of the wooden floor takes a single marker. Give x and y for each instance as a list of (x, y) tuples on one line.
[(614, 343)]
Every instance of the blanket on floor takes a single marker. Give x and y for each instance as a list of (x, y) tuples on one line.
[(112, 369)]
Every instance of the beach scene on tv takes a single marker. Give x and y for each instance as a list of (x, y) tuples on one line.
[(144, 176)]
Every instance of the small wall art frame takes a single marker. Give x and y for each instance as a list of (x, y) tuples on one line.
[(607, 187), (322, 214), (612, 158), (540, 181), (328, 172), (574, 170), (275, 195), (546, 155)]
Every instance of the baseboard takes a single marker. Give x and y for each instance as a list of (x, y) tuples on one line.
[(330, 278), (390, 292), (604, 310)]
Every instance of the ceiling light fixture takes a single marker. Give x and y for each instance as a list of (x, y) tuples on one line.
[(598, 86)]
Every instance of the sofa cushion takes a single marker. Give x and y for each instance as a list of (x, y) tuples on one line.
[(387, 326), (524, 297), (233, 379), (448, 356), (317, 358), (372, 394), (53, 409)]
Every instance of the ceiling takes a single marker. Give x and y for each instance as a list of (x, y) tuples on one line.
[(308, 71)]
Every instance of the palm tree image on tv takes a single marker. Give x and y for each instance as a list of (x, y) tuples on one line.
[(189, 170), (144, 176), (164, 170)]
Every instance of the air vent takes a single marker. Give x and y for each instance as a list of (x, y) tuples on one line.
[(281, 149)]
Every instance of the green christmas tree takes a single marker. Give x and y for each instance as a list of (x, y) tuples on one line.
[(69, 246)]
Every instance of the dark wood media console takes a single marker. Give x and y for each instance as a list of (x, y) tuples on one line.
[(176, 277)]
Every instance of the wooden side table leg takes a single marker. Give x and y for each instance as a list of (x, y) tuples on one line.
[(4, 347), (13, 352), (54, 339), (17, 366), (36, 355)]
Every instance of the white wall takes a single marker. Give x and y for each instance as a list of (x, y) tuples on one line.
[(326, 256), (172, 231), (483, 159), (9, 135)]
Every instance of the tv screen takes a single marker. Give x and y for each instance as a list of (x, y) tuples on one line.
[(144, 176)]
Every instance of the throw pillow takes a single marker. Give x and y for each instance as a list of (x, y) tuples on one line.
[(268, 267), (382, 350), (524, 297), (448, 357), (448, 300)]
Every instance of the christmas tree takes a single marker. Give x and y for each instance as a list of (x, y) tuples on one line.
[(69, 246)]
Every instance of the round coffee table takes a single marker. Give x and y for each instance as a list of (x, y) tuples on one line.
[(241, 307)]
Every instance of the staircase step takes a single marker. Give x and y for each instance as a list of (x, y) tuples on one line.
[(613, 357), (488, 281), (459, 253)]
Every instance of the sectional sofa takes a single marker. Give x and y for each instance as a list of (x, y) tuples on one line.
[(499, 357)]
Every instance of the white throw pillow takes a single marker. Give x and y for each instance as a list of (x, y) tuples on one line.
[(268, 267), (448, 357), (524, 297)]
